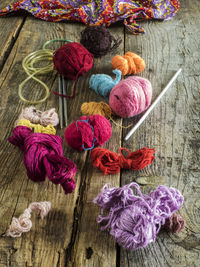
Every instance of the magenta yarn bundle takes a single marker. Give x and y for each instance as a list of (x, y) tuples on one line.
[(135, 220), (130, 96), (88, 132), (43, 156)]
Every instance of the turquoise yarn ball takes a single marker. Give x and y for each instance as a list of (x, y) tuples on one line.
[(102, 84)]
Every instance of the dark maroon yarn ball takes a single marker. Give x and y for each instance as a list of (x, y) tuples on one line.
[(98, 40)]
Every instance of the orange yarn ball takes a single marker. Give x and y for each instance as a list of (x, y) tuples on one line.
[(130, 63)]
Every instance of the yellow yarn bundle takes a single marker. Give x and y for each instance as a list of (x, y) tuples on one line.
[(49, 129), (101, 108)]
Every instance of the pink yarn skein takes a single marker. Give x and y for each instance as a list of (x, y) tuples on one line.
[(88, 132), (131, 96)]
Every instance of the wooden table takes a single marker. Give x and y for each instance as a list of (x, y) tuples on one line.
[(70, 236)]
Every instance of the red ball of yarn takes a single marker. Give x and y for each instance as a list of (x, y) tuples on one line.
[(72, 60), (88, 132)]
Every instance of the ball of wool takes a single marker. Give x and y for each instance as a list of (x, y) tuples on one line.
[(99, 41), (130, 96), (88, 132), (102, 84), (72, 60), (135, 219), (43, 157), (130, 63)]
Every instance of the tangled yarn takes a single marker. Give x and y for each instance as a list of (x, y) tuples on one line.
[(49, 129), (39, 117), (102, 84), (72, 60), (174, 224), (110, 162), (32, 68), (92, 108), (135, 220), (130, 63), (88, 132), (23, 224), (99, 41), (130, 96), (43, 156)]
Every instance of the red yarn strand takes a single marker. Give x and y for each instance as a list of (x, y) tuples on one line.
[(110, 162)]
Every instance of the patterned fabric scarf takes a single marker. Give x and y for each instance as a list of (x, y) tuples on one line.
[(98, 12)]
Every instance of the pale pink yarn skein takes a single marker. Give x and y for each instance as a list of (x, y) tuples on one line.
[(38, 117), (23, 224), (131, 96)]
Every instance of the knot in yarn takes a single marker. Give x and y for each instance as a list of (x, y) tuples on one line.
[(134, 220), (23, 223), (99, 41), (174, 224), (88, 132), (43, 157), (110, 162), (102, 84), (36, 116), (92, 108), (130, 96), (49, 129), (130, 63), (72, 60)]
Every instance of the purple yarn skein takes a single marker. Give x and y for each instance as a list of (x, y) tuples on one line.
[(135, 220)]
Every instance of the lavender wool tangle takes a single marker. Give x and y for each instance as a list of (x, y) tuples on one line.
[(43, 156), (135, 220)]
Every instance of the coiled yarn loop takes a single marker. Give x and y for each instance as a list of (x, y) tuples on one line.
[(130, 63), (110, 162)]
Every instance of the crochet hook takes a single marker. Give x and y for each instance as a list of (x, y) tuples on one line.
[(62, 101), (60, 88), (153, 105)]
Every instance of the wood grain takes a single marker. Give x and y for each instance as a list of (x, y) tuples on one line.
[(173, 129), (90, 246), (70, 236)]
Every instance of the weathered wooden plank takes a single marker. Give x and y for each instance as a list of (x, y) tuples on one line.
[(46, 243), (173, 129), (9, 31), (90, 246)]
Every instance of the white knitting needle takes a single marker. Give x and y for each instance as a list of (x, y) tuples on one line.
[(153, 105)]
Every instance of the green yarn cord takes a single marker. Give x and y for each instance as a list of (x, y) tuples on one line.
[(29, 63)]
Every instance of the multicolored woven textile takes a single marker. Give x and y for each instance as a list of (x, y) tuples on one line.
[(98, 12)]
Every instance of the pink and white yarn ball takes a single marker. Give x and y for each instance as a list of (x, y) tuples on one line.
[(131, 96)]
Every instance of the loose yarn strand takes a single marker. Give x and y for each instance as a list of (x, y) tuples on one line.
[(42, 55), (23, 224)]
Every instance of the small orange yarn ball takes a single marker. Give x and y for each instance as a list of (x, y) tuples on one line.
[(130, 63)]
